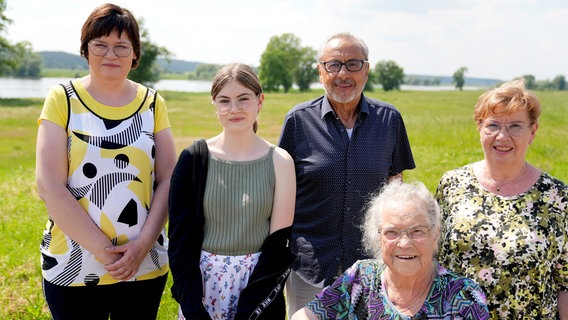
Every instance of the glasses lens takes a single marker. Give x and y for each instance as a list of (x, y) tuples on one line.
[(492, 128), (391, 233), (98, 49), (515, 129), (417, 233), (354, 65), (332, 66), (122, 51)]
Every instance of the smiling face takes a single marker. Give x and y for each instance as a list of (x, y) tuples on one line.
[(404, 256), (244, 106), (343, 87), (501, 148)]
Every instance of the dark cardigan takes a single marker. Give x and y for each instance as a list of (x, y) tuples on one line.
[(263, 297)]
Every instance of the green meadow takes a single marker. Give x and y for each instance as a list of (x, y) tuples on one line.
[(439, 123)]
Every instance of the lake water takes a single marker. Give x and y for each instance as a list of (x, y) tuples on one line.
[(38, 88)]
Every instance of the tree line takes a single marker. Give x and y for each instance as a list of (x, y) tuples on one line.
[(283, 64)]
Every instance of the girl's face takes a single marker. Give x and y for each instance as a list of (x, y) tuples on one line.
[(237, 106)]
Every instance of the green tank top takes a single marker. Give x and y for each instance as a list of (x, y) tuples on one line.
[(238, 204)]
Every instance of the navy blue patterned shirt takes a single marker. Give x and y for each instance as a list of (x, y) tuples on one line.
[(336, 175)]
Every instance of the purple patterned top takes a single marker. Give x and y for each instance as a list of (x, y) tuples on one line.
[(359, 294)]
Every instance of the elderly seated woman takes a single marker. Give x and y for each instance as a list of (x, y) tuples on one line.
[(402, 232)]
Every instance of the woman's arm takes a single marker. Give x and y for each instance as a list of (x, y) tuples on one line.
[(284, 192), (304, 314), (61, 205), (563, 305), (135, 251)]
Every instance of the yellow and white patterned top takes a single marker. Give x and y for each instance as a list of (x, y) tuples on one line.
[(111, 173)]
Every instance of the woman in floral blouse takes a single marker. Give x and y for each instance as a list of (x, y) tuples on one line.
[(401, 229), (504, 221)]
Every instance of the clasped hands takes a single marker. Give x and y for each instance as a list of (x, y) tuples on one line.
[(125, 260)]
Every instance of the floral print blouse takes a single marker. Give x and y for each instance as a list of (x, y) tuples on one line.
[(360, 294), (515, 247)]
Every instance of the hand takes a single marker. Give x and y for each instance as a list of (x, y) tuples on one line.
[(132, 255)]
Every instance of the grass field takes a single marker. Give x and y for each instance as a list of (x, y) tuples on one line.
[(439, 124)]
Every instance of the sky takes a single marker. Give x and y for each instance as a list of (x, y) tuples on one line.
[(496, 39)]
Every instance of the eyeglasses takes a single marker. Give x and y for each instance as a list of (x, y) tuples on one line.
[(513, 129), (244, 103), (351, 65), (101, 49), (417, 233)]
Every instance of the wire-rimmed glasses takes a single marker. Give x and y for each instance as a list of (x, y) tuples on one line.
[(99, 48), (416, 233), (245, 103)]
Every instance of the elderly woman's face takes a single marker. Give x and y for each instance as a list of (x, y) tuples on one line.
[(505, 137), (408, 241)]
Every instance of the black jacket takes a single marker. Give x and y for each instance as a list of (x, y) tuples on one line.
[(263, 297)]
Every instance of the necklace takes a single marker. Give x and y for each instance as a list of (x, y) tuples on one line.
[(518, 177), (417, 302)]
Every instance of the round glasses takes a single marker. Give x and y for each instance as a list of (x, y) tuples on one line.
[(513, 129), (101, 49), (245, 103), (417, 233), (351, 65)]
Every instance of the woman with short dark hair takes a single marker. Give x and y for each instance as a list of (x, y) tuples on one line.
[(105, 154)]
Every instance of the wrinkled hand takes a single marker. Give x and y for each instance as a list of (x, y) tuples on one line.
[(126, 267)]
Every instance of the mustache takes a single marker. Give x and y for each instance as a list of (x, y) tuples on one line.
[(348, 82)]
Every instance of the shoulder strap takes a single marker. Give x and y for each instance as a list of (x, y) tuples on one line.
[(68, 92), (199, 149)]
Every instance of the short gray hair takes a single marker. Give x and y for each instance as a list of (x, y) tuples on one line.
[(343, 35), (396, 192)]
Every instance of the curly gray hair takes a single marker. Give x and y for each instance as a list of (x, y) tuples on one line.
[(396, 193)]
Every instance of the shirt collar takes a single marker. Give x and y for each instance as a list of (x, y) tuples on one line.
[(326, 107)]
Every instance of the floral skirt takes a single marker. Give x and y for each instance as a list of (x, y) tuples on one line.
[(224, 277)]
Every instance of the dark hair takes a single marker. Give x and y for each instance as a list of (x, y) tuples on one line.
[(239, 72), (108, 18)]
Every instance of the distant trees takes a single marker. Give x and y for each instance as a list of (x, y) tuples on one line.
[(30, 63), (530, 81), (306, 73), (16, 59), (285, 62), (422, 80), (204, 71), (148, 70), (459, 78), (389, 74), (559, 82)]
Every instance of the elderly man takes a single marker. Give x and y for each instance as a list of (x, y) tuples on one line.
[(345, 147)]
